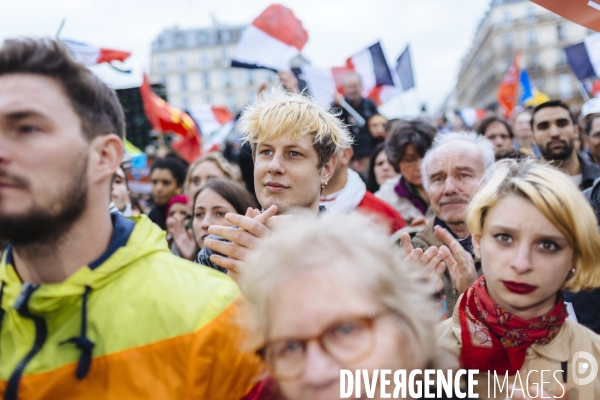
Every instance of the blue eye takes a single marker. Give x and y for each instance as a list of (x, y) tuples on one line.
[(28, 129), (291, 347)]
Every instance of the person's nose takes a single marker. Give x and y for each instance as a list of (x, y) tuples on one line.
[(320, 370), (4, 150), (207, 222), (521, 262), (553, 130), (450, 187), (276, 165)]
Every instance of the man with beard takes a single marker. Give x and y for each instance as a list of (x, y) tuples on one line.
[(555, 130), (451, 171), (93, 305)]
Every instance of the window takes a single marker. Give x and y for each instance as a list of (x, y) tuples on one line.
[(249, 77), (204, 59), (561, 32), (181, 62), (507, 40), (534, 61), (225, 37), (163, 65), (561, 58), (530, 17), (201, 38), (506, 19), (224, 56), (180, 41), (183, 83), (184, 103), (226, 78), (565, 86), (230, 101), (532, 37), (206, 80), (207, 99)]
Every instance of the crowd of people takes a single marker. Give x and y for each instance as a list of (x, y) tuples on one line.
[(391, 245)]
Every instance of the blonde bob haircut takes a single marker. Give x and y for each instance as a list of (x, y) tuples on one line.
[(557, 198), (279, 113), (215, 158), (368, 260)]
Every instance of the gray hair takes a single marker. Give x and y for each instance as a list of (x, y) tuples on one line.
[(369, 260), (486, 149)]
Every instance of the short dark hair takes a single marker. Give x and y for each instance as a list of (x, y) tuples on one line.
[(588, 123), (552, 103), (487, 121), (96, 104), (177, 168), (372, 185), (417, 133), (234, 193)]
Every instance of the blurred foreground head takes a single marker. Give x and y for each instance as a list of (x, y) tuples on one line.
[(61, 133), (332, 294)]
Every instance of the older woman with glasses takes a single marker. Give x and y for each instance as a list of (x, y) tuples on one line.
[(536, 236), (332, 294)]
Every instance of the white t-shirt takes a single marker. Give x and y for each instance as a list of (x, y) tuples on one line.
[(577, 179)]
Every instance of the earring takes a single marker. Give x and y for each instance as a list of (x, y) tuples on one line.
[(323, 185), (571, 273)]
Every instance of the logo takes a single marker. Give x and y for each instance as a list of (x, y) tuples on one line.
[(585, 368)]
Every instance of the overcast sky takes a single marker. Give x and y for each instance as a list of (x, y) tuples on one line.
[(440, 31)]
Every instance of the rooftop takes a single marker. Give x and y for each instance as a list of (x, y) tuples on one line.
[(175, 38)]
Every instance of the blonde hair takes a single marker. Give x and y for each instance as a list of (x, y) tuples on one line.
[(370, 260), (279, 113), (557, 198), (215, 158)]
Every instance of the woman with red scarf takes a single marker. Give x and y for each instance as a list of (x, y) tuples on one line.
[(536, 236)]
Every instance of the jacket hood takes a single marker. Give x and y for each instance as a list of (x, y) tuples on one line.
[(132, 239)]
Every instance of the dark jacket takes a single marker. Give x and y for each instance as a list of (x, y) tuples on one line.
[(362, 138), (589, 172), (158, 215)]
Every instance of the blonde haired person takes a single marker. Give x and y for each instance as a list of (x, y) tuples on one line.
[(348, 303), (208, 167), (294, 142), (536, 236)]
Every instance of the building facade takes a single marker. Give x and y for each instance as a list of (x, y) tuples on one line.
[(510, 26), (195, 67)]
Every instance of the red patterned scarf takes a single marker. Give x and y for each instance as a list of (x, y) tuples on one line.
[(495, 340)]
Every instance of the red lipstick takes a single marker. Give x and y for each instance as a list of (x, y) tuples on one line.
[(519, 288)]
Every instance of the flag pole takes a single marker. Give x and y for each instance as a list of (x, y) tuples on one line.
[(62, 24), (359, 119), (584, 94)]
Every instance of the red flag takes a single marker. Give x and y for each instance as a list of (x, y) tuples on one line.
[(509, 88), (165, 118), (582, 12)]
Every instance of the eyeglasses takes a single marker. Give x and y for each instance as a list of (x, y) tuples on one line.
[(346, 341)]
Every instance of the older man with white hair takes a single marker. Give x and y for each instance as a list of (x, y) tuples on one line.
[(451, 171)]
